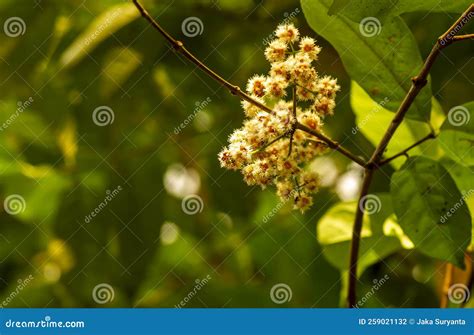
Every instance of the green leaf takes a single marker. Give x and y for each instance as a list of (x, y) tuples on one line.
[(334, 233), (382, 9), (100, 29), (457, 134), (462, 176), (373, 120), (382, 64), (423, 193)]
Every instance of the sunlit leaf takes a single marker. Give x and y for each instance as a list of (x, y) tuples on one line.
[(100, 29), (457, 134)]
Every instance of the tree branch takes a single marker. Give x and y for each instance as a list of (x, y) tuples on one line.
[(333, 145), (418, 83), (233, 89), (448, 280), (463, 37), (404, 152)]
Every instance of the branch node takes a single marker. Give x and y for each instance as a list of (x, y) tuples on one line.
[(419, 81)]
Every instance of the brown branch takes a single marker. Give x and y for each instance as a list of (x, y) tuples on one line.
[(293, 121), (355, 241), (418, 83), (448, 280), (463, 37), (405, 151), (233, 89), (334, 145)]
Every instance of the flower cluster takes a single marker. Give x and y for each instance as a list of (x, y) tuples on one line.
[(269, 149)]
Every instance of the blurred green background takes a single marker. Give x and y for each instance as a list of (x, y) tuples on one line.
[(73, 57)]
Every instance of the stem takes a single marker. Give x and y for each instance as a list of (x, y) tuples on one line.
[(333, 145), (233, 89), (404, 152), (448, 279), (418, 83), (355, 242), (293, 121), (463, 37)]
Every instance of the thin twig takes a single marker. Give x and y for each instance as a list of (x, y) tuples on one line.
[(293, 121), (405, 151), (418, 83), (463, 37), (448, 280), (334, 145), (233, 89)]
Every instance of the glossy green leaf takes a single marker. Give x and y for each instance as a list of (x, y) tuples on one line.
[(462, 176), (457, 134), (431, 210), (382, 64), (334, 233), (358, 10), (372, 120)]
